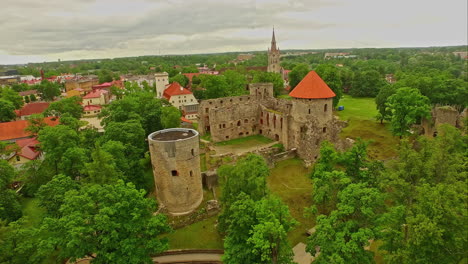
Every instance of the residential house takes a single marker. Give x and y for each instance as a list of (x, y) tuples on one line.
[(31, 109), (96, 97), (91, 110), (182, 98), (15, 130), (28, 94), (27, 150)]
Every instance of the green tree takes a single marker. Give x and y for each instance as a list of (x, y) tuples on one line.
[(407, 106), (141, 107), (215, 86), (35, 124), (68, 120), (34, 174), (48, 90), (7, 173), (181, 79), (257, 231), (73, 162), (20, 243), (70, 106), (270, 77), (425, 222), (331, 76), (55, 141), (236, 82), (170, 117), (108, 223), (248, 176), (26, 99), (7, 111), (32, 98), (52, 194), (344, 233), (102, 169), (381, 102), (297, 74), (11, 96), (10, 207), (367, 84)]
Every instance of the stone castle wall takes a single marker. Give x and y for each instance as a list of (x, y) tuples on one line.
[(296, 123), (176, 169)]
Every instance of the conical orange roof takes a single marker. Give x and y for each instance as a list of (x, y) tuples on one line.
[(312, 87)]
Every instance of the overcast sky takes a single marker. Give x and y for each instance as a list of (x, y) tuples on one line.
[(35, 31)]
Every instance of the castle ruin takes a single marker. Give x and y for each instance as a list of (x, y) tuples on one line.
[(175, 157), (302, 122)]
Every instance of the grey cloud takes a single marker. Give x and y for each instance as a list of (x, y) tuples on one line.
[(54, 34)]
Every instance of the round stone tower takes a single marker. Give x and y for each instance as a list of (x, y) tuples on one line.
[(175, 158)]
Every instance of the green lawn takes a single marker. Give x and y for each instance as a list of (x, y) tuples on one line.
[(290, 181), (245, 141), (360, 114), (201, 235)]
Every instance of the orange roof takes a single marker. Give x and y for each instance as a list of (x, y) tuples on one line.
[(32, 108), (15, 129), (175, 89), (28, 148), (91, 107), (312, 87), (94, 94), (190, 75), (183, 119)]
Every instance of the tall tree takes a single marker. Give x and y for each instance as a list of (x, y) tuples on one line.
[(7, 111), (367, 83), (48, 90), (297, 74), (257, 231), (407, 106), (381, 102), (331, 76), (70, 106), (270, 77), (8, 94), (427, 183), (170, 117), (108, 223), (55, 141), (52, 194), (181, 79)]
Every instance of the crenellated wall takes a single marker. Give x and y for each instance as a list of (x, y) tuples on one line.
[(296, 123)]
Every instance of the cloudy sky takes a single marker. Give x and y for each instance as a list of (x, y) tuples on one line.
[(35, 31)]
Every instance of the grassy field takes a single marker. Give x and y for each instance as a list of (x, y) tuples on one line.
[(201, 235), (360, 114), (245, 141), (290, 181)]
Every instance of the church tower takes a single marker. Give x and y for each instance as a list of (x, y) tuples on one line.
[(274, 56)]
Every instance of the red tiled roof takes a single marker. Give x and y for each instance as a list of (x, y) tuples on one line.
[(29, 92), (32, 108), (103, 85), (190, 75), (175, 89), (185, 120), (92, 107), (28, 148), (312, 87), (15, 129), (94, 94)]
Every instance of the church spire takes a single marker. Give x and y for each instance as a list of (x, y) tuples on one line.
[(273, 41)]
